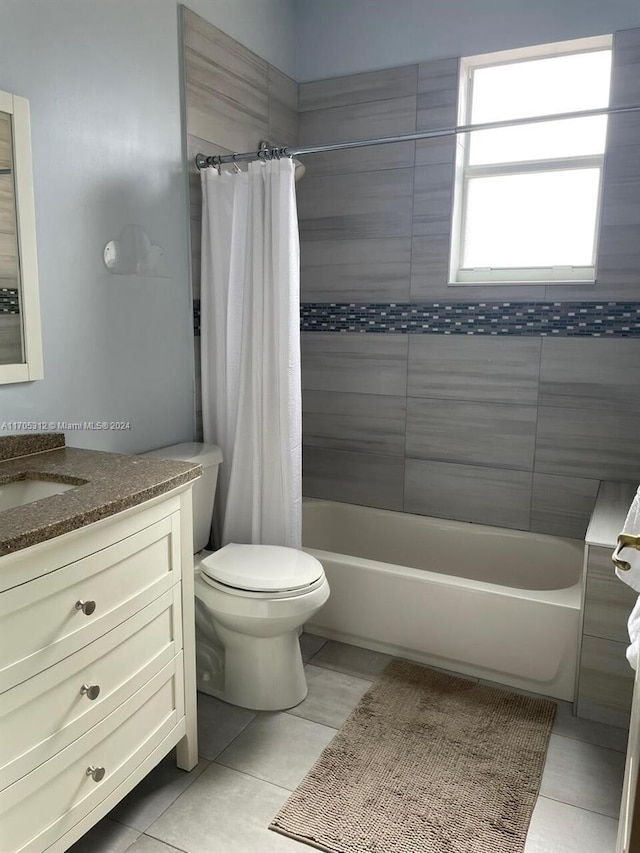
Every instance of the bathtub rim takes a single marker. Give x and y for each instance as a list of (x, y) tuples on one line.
[(569, 597)]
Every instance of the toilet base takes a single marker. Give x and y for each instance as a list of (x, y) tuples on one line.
[(259, 673)]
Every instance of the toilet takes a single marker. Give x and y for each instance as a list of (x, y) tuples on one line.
[(250, 603)]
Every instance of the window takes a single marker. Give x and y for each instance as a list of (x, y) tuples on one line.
[(527, 197)]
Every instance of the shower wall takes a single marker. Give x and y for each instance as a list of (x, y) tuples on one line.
[(233, 100), (407, 404), (500, 405)]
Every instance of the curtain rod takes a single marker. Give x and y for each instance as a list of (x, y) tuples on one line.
[(267, 153)]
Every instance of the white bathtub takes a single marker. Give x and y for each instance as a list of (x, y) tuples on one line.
[(497, 604)]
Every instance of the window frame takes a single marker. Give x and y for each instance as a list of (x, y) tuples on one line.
[(464, 172)]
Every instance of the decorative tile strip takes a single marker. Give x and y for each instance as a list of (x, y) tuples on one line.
[(9, 300), (562, 319)]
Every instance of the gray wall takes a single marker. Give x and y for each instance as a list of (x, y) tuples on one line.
[(337, 37), (103, 82), (512, 431)]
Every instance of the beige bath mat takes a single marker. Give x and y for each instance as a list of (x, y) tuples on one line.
[(427, 763)]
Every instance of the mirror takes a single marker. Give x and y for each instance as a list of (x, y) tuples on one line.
[(20, 339)]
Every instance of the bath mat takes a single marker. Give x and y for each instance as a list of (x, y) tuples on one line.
[(426, 763)]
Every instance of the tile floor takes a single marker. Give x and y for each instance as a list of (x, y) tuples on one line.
[(250, 762)]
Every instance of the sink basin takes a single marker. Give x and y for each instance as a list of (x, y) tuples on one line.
[(26, 491)]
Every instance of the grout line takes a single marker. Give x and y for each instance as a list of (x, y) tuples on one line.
[(573, 805), (588, 742), (260, 778)]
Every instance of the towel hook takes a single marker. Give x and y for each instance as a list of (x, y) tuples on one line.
[(624, 541)]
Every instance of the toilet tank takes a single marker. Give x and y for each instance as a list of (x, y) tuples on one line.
[(209, 456)]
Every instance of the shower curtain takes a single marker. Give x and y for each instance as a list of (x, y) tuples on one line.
[(250, 328)]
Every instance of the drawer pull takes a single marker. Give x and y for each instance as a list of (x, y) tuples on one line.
[(87, 607), (91, 691), (96, 773)]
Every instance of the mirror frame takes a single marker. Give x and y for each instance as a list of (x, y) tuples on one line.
[(32, 366)]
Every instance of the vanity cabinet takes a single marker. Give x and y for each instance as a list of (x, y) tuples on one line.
[(96, 669)]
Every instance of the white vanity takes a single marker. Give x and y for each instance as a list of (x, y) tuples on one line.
[(97, 647)]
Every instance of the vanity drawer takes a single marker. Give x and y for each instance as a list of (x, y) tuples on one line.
[(42, 806), (43, 622), (44, 714)]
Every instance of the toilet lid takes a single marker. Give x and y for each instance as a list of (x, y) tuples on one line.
[(262, 568)]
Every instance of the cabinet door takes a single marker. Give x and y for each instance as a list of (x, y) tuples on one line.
[(51, 617)]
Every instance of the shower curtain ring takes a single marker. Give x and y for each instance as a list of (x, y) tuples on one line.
[(236, 168)]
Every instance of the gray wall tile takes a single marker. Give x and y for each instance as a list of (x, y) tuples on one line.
[(364, 423), (359, 478), (433, 199), (399, 155), (283, 109), (494, 496), (562, 506), (345, 207), (224, 107), (389, 250), (591, 373), (621, 191), (499, 435), (393, 117), (601, 444), (355, 270), (430, 152), (195, 233), (437, 94), (430, 267), (359, 88), (369, 120), (608, 602), (494, 369), (369, 364), (625, 74), (605, 688)]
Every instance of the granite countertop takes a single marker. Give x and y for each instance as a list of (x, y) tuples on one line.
[(107, 483)]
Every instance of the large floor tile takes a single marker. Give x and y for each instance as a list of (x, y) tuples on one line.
[(599, 734), (146, 844), (105, 837), (583, 775), (278, 748), (352, 660), (310, 645), (560, 828), (155, 793), (332, 696), (225, 812), (218, 724)]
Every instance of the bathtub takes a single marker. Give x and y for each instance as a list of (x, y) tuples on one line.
[(497, 604)]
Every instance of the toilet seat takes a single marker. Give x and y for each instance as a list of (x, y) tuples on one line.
[(262, 571)]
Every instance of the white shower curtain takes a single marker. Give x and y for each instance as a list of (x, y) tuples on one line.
[(250, 340)]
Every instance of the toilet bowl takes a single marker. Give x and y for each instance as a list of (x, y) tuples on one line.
[(250, 602)]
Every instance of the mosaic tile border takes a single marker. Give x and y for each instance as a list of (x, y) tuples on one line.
[(533, 319), (9, 300)]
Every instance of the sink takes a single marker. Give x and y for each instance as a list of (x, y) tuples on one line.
[(22, 492)]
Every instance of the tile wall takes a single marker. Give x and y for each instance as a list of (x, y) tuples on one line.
[(234, 100), (499, 405), (513, 425)]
